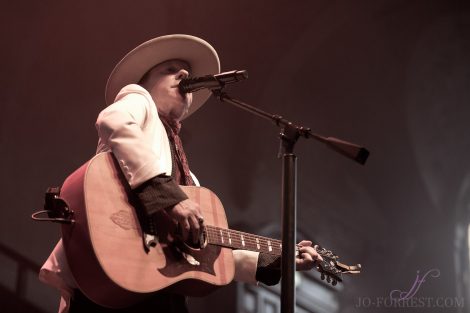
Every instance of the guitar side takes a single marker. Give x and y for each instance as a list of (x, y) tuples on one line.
[(104, 246)]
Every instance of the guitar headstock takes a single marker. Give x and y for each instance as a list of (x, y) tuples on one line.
[(332, 269)]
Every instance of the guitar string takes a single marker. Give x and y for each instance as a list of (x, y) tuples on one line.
[(216, 238), (249, 246), (237, 236), (214, 233), (277, 251), (241, 233), (247, 238), (275, 243)]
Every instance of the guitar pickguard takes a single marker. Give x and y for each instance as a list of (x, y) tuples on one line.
[(178, 264)]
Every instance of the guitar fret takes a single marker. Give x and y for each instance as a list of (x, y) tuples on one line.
[(257, 244), (221, 236), (270, 248), (243, 240)]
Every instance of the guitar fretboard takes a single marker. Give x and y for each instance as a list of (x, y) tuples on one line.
[(239, 240)]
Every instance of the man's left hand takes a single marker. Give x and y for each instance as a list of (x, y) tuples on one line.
[(308, 257)]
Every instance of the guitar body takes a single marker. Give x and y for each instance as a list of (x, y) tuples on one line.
[(105, 249)]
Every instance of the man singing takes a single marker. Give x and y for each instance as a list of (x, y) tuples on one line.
[(140, 127)]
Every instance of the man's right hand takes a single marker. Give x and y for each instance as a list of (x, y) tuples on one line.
[(187, 214)]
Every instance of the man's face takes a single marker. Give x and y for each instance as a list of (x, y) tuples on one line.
[(162, 83)]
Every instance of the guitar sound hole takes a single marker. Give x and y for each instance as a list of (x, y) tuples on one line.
[(193, 245), (200, 244)]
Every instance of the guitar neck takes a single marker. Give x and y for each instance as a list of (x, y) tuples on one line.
[(239, 240)]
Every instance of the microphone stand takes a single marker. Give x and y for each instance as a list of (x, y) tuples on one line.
[(289, 135)]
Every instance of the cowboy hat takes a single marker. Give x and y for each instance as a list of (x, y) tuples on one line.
[(199, 54)]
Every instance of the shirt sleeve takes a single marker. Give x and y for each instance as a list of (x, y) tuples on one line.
[(159, 193), (120, 127), (268, 269), (253, 267)]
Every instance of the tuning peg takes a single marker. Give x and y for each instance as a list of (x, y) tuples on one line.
[(328, 279), (322, 276), (334, 282)]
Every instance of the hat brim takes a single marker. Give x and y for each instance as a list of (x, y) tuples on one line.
[(199, 54)]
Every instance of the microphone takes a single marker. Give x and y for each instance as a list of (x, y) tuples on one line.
[(188, 85)]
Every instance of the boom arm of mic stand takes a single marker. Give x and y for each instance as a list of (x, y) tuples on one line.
[(350, 150)]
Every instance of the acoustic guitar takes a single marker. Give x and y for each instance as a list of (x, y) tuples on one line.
[(116, 264)]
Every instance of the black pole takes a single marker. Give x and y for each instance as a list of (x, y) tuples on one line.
[(288, 136), (289, 227)]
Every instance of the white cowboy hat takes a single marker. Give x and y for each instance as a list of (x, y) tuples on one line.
[(200, 55)]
